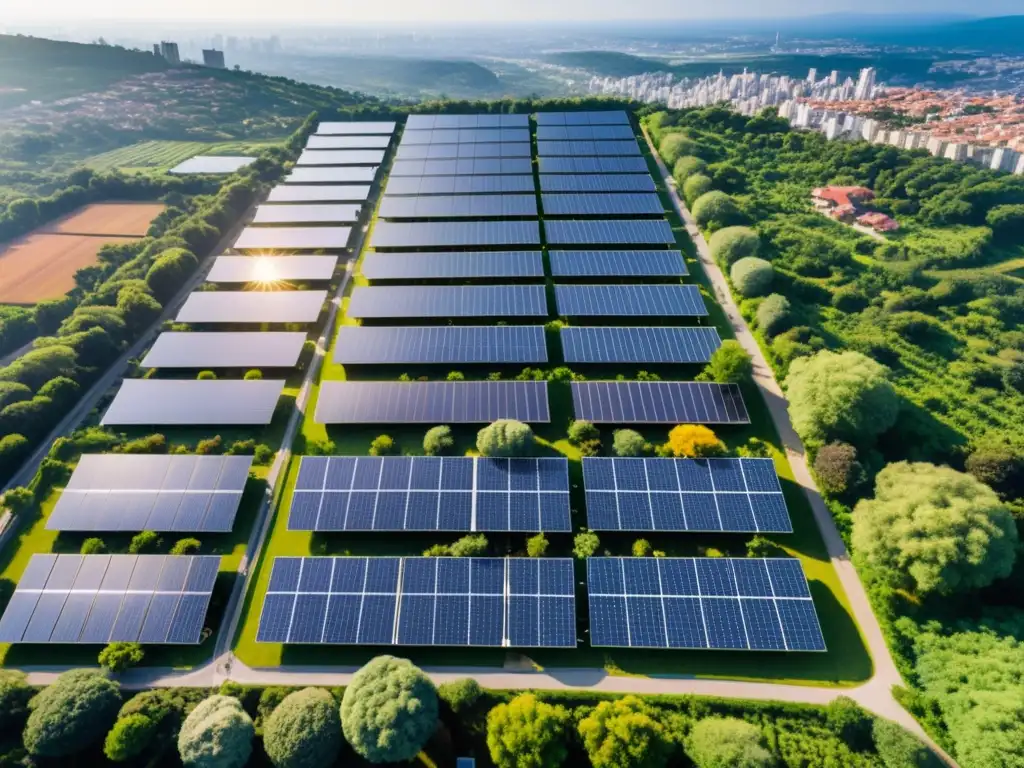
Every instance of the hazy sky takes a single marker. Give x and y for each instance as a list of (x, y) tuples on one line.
[(304, 11)]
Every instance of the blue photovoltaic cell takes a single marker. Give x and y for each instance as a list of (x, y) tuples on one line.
[(584, 132), (595, 183), (591, 165), (587, 148), (457, 206), (467, 135), (605, 117), (617, 204), (448, 301), (434, 122), (452, 265), (460, 185), (369, 345), (447, 234), (638, 345), (697, 603), (426, 601), (658, 263), (465, 167), (629, 300), (407, 151), (437, 402), (608, 232), (658, 402)]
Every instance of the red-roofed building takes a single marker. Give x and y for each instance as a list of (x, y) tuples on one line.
[(878, 222), (840, 202)]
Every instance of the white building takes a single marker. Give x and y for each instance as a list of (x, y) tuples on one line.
[(865, 85)]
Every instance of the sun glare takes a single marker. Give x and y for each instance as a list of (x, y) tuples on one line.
[(264, 271)]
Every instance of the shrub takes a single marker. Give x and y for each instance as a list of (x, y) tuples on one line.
[(304, 730), (694, 441), (730, 363), (93, 546), (999, 468), (527, 733), (629, 442), (687, 166), (18, 500), (625, 732), (537, 546), (715, 210), (837, 468), (214, 446), (751, 276), (206, 376), (186, 547), (438, 440), (726, 742), (129, 737), (731, 244), (71, 714), (846, 718), (696, 187), (383, 445), (585, 544), (455, 376), (773, 315), (1013, 376), (15, 693), (581, 432), (144, 542), (474, 545), (505, 437), (117, 657), (254, 375), (242, 448), (389, 710), (218, 733), (674, 146), (460, 695), (899, 749), (641, 548), (263, 454)]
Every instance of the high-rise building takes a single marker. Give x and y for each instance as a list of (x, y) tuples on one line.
[(213, 58), (170, 52), (869, 129), (812, 75), (865, 85), (156, 50), (1004, 159), (833, 79)]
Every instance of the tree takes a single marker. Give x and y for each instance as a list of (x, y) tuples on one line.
[(715, 210), (731, 244), (13, 392), (438, 440), (1007, 223), (13, 449), (1013, 376), (218, 733), (899, 749), (383, 445), (35, 368), (527, 733), (583, 431), (751, 276), (460, 695), (641, 548), (15, 694), (253, 375), (537, 546), (694, 441), (625, 733), (686, 166), (474, 545), (675, 145), (129, 737), (726, 742), (730, 363), (169, 272), (139, 309), (60, 390), (840, 396), (939, 528), (848, 719), (73, 713), (18, 500), (186, 546), (695, 187), (505, 437), (143, 542), (389, 710), (773, 314), (117, 657), (998, 467), (837, 468), (304, 730), (206, 376), (585, 544), (629, 442)]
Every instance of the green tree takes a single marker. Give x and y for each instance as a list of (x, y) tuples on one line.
[(751, 276), (18, 500), (253, 375), (169, 272), (139, 309), (383, 445), (1007, 223), (686, 166), (899, 749), (998, 467), (583, 431), (218, 733), (144, 542), (537, 546), (474, 545), (71, 714), (773, 314), (848, 719), (695, 187), (730, 364), (460, 695), (731, 244), (304, 730), (937, 528), (527, 733), (674, 146), (15, 694), (117, 657), (625, 733), (726, 742), (629, 442), (61, 390), (505, 437), (641, 548), (715, 210), (129, 737), (438, 440), (585, 544), (13, 392), (389, 710), (837, 468), (186, 546)]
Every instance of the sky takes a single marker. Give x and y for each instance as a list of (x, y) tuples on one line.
[(356, 11)]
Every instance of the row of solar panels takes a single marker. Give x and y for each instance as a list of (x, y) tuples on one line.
[(479, 206), (493, 135), (503, 149), (516, 184), (434, 122), (468, 234), (477, 166)]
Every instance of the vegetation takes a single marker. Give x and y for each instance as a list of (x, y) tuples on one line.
[(505, 437), (129, 737), (625, 733), (751, 276), (527, 733), (773, 315), (629, 442), (117, 657), (304, 730), (731, 244), (438, 441), (15, 694), (217, 734), (725, 742), (72, 714), (585, 544), (715, 210), (730, 364), (694, 441)]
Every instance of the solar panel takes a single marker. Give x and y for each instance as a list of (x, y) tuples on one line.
[(466, 167), (448, 301), (658, 402), (550, 164), (426, 493), (271, 270), (622, 204), (465, 135), (584, 132), (432, 122), (629, 300), (730, 495), (329, 128), (98, 599), (340, 157), (461, 151), (152, 402), (639, 345), (457, 206), (437, 345), (306, 214), (152, 493), (478, 601), (607, 117), (266, 349), (319, 193), (583, 148), (452, 265), (701, 602), (458, 185), (348, 142), (658, 263), (432, 402), (352, 174), (596, 183), (293, 239), (608, 232), (252, 307), (448, 234)]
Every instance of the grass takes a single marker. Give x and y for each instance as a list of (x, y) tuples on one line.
[(163, 155)]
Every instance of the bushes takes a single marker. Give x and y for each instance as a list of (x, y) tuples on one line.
[(304, 730), (217, 734), (773, 315), (726, 742), (144, 542), (129, 737), (715, 210), (625, 732), (206, 376), (71, 714), (15, 693), (694, 441), (389, 710), (898, 749), (585, 544), (731, 244), (169, 272), (188, 546), (460, 695), (505, 437), (729, 364), (696, 187), (674, 146), (687, 166), (117, 657), (537, 546), (751, 276), (583, 431), (837, 469), (383, 445), (212, 447), (527, 733), (629, 442), (438, 441), (473, 545)]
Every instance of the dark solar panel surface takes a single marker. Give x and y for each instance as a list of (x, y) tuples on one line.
[(550, 164), (621, 204), (717, 603), (461, 151), (658, 263), (256, 349), (584, 132), (369, 345), (271, 269), (468, 167), (329, 128), (584, 148), (629, 300), (465, 136), (730, 495), (597, 183), (457, 206), (100, 599), (448, 234), (324, 157), (448, 301), (458, 185), (433, 122), (154, 402), (608, 232), (658, 402), (452, 265), (352, 174), (433, 402), (425, 493), (608, 117), (319, 193), (639, 345)]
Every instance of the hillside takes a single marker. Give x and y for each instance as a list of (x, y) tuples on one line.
[(1003, 34)]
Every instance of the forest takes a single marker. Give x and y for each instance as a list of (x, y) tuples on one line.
[(903, 363)]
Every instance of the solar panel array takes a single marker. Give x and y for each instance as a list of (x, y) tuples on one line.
[(607, 117), (440, 345), (153, 402), (152, 493), (608, 232), (478, 601), (724, 603), (99, 599), (352, 174), (639, 345), (252, 307), (658, 263), (731, 495), (426, 493), (466, 136), (448, 301), (466, 167), (293, 239), (431, 402), (433, 122), (457, 206), (548, 164), (658, 402), (408, 151), (271, 269), (319, 193), (458, 185), (584, 132), (323, 157), (585, 148), (616, 182), (306, 214), (225, 350), (452, 265), (448, 234), (348, 142), (629, 300), (620, 204), (329, 128)]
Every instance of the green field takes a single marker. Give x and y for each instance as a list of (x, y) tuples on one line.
[(163, 155)]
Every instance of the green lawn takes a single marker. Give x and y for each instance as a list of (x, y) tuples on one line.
[(163, 155)]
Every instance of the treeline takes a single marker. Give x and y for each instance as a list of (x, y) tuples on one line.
[(393, 111)]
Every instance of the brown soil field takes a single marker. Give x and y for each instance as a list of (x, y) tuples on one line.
[(40, 267), (115, 219)]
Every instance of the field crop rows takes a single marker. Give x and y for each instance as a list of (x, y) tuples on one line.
[(162, 155)]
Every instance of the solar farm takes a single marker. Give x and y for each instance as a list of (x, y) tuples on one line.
[(446, 270)]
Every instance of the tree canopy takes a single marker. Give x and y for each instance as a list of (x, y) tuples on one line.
[(714, 210), (726, 742), (628, 442), (625, 733), (731, 244), (730, 363), (73, 713), (751, 276), (304, 730), (218, 733), (527, 733), (505, 437)]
